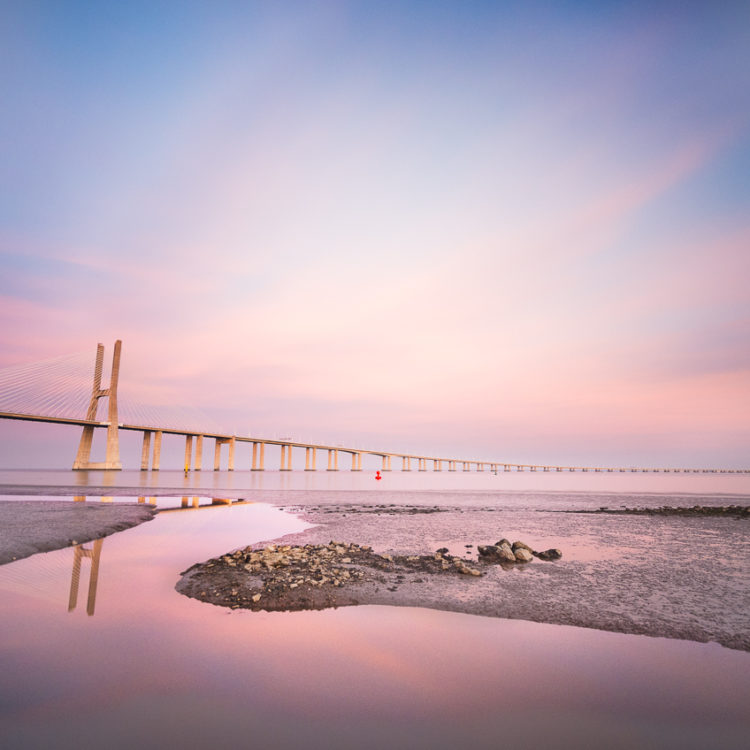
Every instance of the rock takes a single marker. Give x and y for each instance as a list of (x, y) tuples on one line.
[(497, 554), (523, 555), (549, 554), (521, 545), (466, 570), (255, 597), (502, 542), (442, 551)]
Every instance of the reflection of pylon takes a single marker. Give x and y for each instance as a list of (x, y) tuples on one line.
[(93, 554), (112, 458)]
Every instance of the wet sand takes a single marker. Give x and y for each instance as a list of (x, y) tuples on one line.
[(673, 577), (31, 526)]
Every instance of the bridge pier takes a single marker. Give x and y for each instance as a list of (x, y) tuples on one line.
[(145, 450), (217, 453), (333, 460), (188, 451), (437, 465), (286, 458), (255, 466), (356, 461), (198, 452), (405, 463), (310, 453), (156, 461)]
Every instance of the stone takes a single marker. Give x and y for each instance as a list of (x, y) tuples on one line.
[(549, 554), (466, 570), (442, 551), (502, 542), (493, 553), (523, 555), (521, 545), (255, 597)]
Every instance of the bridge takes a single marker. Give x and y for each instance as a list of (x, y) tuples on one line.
[(55, 392)]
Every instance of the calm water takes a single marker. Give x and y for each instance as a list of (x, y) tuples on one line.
[(131, 661)]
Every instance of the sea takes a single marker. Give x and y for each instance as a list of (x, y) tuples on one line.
[(98, 649)]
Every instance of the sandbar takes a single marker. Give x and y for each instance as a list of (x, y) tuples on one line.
[(31, 526)]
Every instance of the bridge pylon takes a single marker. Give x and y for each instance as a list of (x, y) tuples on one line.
[(112, 456)]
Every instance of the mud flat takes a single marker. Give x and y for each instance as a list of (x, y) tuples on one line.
[(674, 577), (31, 526)]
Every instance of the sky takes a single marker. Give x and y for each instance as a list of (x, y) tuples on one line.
[(513, 231)]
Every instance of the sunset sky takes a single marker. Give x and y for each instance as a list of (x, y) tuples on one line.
[(518, 231)]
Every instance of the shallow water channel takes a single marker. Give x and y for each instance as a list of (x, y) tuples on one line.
[(130, 662)]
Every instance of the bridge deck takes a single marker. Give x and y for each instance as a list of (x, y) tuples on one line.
[(505, 465)]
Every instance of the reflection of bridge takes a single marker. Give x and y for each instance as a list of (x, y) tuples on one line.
[(54, 392), (93, 553)]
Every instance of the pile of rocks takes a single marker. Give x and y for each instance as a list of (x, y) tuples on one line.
[(314, 576), (303, 577), (517, 552)]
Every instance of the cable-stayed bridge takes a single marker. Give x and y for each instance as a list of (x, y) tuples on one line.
[(61, 391)]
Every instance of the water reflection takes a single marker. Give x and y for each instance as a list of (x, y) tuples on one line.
[(92, 554), (183, 673)]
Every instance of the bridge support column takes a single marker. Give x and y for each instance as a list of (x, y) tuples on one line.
[(307, 459), (405, 463), (356, 462), (359, 462), (255, 456), (157, 451), (333, 459), (198, 452), (146, 450), (188, 451), (232, 443), (437, 465), (217, 454), (282, 466), (422, 464)]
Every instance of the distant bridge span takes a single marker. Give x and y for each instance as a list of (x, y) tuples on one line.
[(152, 438)]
